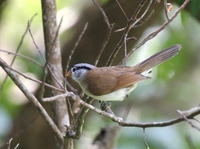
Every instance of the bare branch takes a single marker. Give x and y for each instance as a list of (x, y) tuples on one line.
[(16, 146), (53, 58), (37, 48), (22, 56), (187, 120), (110, 28), (133, 21), (67, 94), (143, 14), (32, 99), (153, 34), (9, 144), (138, 10), (144, 138), (122, 10), (191, 114), (103, 13), (49, 66), (38, 81), (104, 44), (165, 6), (75, 46), (81, 119), (146, 19), (17, 50)]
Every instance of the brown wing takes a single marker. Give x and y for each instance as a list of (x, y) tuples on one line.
[(126, 79), (105, 80), (110, 79)]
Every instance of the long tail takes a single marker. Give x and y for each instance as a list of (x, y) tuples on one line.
[(158, 58)]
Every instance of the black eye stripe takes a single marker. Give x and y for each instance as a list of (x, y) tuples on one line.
[(80, 67)]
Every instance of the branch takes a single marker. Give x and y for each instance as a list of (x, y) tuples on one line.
[(17, 50), (53, 58), (9, 144), (22, 56), (153, 34), (38, 81), (110, 28), (130, 24), (190, 115), (187, 120), (144, 138), (75, 46), (103, 13), (31, 98)]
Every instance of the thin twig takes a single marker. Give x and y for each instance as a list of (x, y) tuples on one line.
[(137, 10), (67, 94), (144, 138), (193, 112), (57, 31), (75, 46), (153, 34), (16, 146), (125, 45), (143, 14), (146, 19), (17, 50), (196, 120), (122, 10), (37, 48), (32, 99), (49, 66), (22, 56), (103, 13), (38, 81), (187, 120), (81, 118), (41, 90), (43, 79), (9, 144), (165, 7), (110, 28), (104, 44), (127, 29), (134, 17)]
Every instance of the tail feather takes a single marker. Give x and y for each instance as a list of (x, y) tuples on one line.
[(158, 58)]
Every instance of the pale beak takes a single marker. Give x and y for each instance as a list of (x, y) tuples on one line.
[(69, 74)]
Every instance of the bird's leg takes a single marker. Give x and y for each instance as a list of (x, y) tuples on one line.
[(106, 106)]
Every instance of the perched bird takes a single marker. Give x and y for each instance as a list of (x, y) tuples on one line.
[(115, 82)]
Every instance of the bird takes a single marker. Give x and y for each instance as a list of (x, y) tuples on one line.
[(114, 83)]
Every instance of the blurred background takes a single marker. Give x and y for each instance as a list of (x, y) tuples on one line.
[(174, 85)]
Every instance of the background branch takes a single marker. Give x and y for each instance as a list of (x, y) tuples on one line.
[(53, 55), (153, 34), (32, 99), (17, 50)]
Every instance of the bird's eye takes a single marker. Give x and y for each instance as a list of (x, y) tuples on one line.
[(74, 69)]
